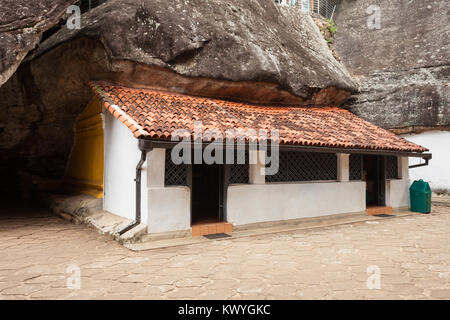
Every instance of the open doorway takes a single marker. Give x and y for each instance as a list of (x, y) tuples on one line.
[(207, 193), (374, 175)]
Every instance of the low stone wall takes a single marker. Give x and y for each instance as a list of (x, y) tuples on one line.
[(397, 193), (397, 190), (169, 209), (247, 204)]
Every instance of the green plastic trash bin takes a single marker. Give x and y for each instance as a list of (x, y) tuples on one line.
[(420, 194)]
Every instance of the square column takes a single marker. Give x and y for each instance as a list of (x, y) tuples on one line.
[(403, 168), (156, 163), (257, 167), (343, 167)]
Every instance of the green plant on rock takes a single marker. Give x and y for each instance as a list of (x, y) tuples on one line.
[(332, 27)]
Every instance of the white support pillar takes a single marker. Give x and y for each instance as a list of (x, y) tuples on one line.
[(403, 168), (156, 162), (257, 167), (343, 165)]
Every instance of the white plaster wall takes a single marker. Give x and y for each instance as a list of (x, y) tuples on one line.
[(162, 209), (397, 193), (397, 190), (169, 209), (437, 173), (272, 202), (121, 154)]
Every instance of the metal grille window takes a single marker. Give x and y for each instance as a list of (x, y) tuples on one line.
[(326, 8), (391, 167), (355, 167), (305, 166), (239, 172), (86, 5), (175, 175)]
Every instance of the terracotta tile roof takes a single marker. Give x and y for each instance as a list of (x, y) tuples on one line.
[(156, 114)]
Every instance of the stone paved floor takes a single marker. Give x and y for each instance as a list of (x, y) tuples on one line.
[(412, 254)]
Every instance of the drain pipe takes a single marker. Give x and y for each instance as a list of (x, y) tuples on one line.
[(427, 159), (144, 149)]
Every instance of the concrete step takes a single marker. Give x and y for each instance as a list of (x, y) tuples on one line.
[(205, 228), (371, 211), (148, 237), (269, 228)]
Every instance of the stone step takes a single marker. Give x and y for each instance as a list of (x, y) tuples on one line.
[(201, 229), (371, 211)]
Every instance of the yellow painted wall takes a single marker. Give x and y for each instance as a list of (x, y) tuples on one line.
[(84, 171)]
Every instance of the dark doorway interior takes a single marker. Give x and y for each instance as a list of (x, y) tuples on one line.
[(374, 175), (207, 193)]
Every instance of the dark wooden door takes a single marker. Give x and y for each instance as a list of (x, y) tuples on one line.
[(375, 176), (381, 180)]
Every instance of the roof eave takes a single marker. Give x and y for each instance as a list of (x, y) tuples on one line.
[(155, 143)]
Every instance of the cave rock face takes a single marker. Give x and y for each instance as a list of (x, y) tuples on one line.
[(400, 52), (250, 50), (21, 26), (235, 40)]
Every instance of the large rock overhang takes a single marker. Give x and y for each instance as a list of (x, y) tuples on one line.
[(214, 41), (214, 52)]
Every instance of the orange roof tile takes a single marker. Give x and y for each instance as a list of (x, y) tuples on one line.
[(156, 114)]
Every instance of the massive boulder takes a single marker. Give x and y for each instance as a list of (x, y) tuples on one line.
[(400, 53), (235, 41), (252, 50), (21, 26)]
